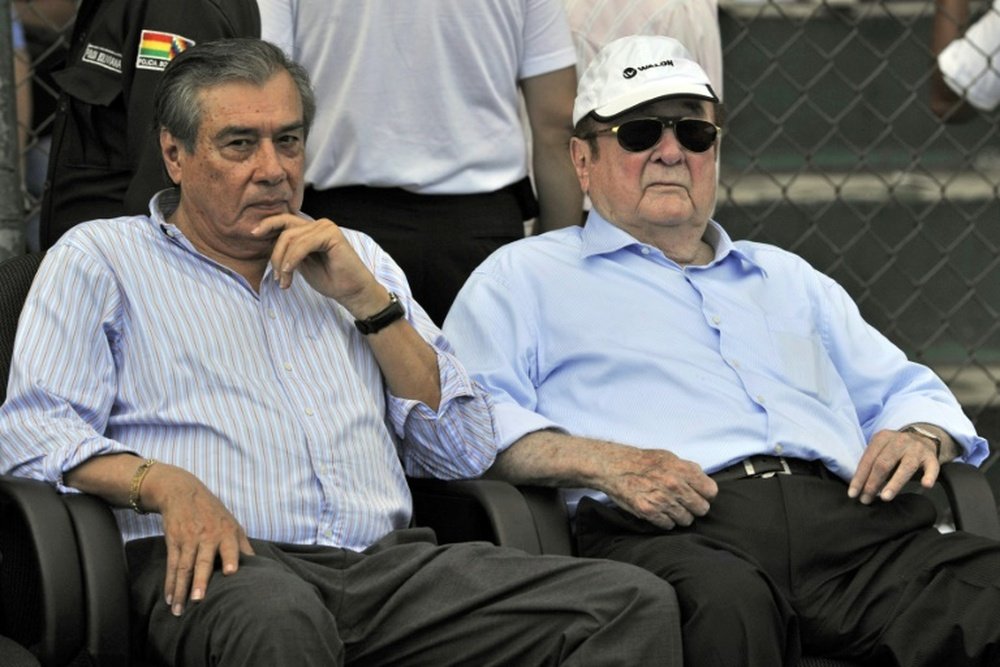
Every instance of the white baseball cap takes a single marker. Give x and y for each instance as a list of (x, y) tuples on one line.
[(637, 69)]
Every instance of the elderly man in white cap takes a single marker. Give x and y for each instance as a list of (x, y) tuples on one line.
[(719, 410)]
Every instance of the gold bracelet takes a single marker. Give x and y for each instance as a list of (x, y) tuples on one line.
[(136, 487)]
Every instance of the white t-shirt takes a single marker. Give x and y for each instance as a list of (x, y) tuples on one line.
[(971, 63), (695, 23), (419, 94)]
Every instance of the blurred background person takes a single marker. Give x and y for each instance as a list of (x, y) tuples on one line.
[(22, 86), (46, 26), (967, 77), (418, 140), (695, 23)]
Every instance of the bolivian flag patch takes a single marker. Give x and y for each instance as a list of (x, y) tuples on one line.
[(157, 49)]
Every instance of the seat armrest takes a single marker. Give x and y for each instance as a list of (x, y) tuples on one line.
[(105, 580), (479, 509), (972, 502), (13, 654), (42, 596), (551, 517)]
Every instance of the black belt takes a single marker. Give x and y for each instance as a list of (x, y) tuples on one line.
[(768, 466)]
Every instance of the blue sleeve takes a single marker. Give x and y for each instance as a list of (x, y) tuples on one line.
[(888, 390)]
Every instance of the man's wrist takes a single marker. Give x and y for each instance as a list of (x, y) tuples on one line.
[(135, 487), (924, 432), (379, 320)]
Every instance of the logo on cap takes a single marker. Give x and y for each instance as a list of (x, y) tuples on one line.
[(630, 72)]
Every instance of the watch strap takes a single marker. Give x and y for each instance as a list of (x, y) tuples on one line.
[(382, 318), (920, 430)]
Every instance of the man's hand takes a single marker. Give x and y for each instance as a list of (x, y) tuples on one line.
[(652, 484), (318, 250), (659, 487), (197, 527), (891, 459)]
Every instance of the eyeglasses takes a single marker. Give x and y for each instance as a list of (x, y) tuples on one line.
[(639, 134)]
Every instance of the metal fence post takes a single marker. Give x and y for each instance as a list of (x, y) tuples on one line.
[(11, 199)]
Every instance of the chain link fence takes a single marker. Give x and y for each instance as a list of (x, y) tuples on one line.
[(47, 25), (830, 150)]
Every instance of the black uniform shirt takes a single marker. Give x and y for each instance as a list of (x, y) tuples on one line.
[(105, 159)]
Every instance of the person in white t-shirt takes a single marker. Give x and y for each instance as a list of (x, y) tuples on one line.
[(418, 140), (968, 74), (695, 23)]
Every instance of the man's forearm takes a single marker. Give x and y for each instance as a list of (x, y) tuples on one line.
[(548, 101), (408, 363), (560, 200), (108, 477), (550, 458)]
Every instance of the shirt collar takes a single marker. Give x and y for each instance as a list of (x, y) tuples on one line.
[(161, 207), (601, 237)]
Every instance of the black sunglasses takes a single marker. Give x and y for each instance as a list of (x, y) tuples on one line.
[(639, 134)]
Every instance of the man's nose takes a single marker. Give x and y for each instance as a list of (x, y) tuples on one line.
[(668, 148), (269, 167)]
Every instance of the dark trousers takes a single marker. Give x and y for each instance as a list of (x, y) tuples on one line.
[(407, 601), (789, 564), (436, 239)]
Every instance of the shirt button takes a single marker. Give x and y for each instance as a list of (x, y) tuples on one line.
[(288, 366), (716, 319), (309, 412), (328, 534), (778, 449), (645, 251), (735, 363), (270, 313), (760, 399)]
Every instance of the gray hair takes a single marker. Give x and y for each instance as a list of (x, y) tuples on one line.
[(176, 106)]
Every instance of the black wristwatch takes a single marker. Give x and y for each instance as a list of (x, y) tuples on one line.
[(382, 318)]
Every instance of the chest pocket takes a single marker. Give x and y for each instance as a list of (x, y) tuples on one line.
[(804, 362)]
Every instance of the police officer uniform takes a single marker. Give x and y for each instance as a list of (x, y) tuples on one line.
[(105, 158)]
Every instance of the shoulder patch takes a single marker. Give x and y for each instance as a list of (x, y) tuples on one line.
[(102, 57), (157, 49)]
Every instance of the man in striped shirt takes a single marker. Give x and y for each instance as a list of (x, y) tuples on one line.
[(254, 385)]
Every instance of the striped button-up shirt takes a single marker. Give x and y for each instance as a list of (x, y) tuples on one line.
[(132, 341)]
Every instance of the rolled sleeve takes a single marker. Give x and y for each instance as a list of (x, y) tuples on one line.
[(55, 412), (456, 441), (944, 414)]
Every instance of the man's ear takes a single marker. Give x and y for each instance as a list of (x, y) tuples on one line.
[(582, 157), (171, 151)]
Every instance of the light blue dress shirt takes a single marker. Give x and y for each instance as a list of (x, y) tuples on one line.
[(589, 331), (132, 341)]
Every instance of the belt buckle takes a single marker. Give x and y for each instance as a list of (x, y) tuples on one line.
[(751, 471)]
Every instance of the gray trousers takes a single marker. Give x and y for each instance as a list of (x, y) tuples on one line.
[(407, 601)]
